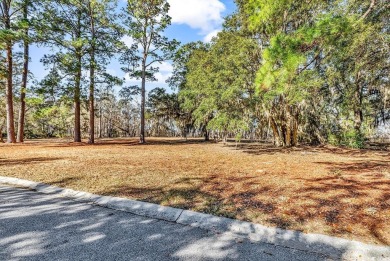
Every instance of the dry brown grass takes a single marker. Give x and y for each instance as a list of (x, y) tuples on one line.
[(322, 190)]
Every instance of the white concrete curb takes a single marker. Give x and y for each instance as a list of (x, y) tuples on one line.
[(332, 247)]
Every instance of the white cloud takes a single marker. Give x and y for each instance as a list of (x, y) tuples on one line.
[(128, 41), (165, 71), (165, 67), (112, 72), (204, 15), (211, 35), (162, 77)]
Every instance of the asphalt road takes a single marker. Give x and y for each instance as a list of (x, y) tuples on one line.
[(35, 226)]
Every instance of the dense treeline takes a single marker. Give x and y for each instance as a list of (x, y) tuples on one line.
[(299, 71), (288, 71)]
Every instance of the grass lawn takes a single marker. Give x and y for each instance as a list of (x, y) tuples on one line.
[(324, 190)]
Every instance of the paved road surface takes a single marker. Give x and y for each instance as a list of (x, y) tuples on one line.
[(35, 226)]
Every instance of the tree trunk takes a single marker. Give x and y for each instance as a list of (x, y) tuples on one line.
[(23, 90), (92, 86), (9, 88), (1, 132), (143, 98), (274, 126), (291, 126), (287, 138), (295, 129), (358, 112), (77, 89), (100, 122), (206, 134), (92, 106), (77, 105), (9, 95)]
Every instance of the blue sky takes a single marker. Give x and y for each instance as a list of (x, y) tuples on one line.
[(192, 20)]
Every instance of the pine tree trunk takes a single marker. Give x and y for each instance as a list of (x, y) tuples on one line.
[(9, 94), (77, 89), (9, 88), (143, 98), (100, 122), (22, 111), (92, 86), (77, 104), (92, 107)]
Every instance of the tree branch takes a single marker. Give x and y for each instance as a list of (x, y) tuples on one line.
[(372, 4)]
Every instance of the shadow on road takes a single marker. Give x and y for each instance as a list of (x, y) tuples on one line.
[(39, 227)]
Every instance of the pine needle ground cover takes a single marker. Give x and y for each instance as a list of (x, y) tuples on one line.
[(326, 190)]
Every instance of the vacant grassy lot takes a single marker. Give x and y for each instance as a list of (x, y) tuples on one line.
[(322, 190)]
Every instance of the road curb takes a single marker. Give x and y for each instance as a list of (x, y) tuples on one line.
[(332, 247)]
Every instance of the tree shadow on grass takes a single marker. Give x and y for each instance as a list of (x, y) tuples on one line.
[(270, 149), (184, 197), (27, 161), (130, 142), (65, 181), (339, 203), (204, 195), (359, 167), (356, 194)]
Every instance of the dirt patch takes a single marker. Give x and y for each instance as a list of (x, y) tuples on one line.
[(325, 190)]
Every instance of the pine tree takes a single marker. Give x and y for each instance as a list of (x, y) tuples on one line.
[(145, 23)]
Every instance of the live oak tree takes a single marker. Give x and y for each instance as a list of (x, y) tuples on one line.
[(321, 65), (216, 80), (178, 80), (193, 89), (282, 103), (319, 49), (145, 22), (219, 84)]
